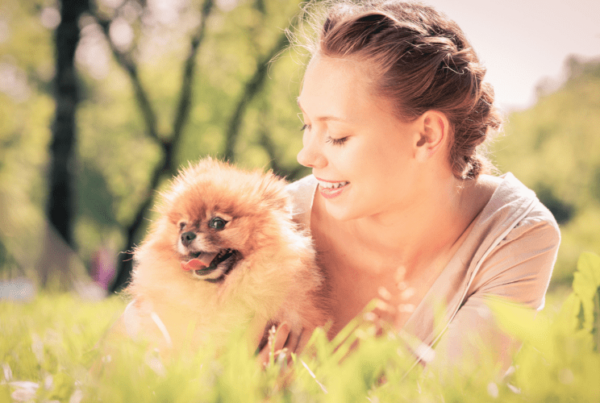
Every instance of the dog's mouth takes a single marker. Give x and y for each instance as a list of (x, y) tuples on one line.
[(212, 267)]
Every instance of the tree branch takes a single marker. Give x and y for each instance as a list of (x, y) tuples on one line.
[(185, 99), (269, 146), (125, 266), (140, 93), (253, 86), (168, 145)]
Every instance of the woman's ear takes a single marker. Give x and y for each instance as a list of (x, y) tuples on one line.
[(433, 132)]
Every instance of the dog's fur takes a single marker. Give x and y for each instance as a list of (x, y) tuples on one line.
[(274, 277)]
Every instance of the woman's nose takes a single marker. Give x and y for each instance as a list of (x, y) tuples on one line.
[(310, 156)]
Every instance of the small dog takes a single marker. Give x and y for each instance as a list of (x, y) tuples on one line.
[(225, 253)]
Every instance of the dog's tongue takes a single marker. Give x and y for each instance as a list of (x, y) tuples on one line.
[(200, 262), (194, 264)]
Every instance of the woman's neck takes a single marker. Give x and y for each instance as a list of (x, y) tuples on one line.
[(421, 230)]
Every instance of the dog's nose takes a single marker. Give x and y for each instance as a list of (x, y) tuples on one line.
[(187, 238)]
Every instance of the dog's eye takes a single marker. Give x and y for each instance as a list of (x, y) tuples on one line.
[(217, 223), (181, 225)]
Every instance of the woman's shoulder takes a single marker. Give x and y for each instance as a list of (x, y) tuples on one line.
[(302, 194), (519, 240), (536, 229), (517, 203), (512, 213)]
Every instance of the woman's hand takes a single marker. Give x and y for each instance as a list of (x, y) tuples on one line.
[(279, 342)]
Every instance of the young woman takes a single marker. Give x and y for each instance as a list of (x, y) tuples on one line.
[(401, 203)]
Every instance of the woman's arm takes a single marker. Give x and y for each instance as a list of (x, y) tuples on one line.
[(517, 271)]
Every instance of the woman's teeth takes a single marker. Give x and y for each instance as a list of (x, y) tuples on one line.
[(332, 185)]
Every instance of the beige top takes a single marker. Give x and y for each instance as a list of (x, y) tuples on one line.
[(510, 252)]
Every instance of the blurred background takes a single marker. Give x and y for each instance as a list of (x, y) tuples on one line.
[(101, 102)]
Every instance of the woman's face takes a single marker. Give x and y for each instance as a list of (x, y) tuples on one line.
[(362, 155)]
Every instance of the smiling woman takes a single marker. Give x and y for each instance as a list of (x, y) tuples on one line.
[(402, 205)]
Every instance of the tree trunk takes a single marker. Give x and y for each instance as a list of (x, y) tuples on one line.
[(60, 206)]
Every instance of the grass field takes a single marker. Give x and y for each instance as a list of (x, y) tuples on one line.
[(48, 352)]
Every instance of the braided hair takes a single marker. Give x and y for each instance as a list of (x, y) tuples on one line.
[(422, 61)]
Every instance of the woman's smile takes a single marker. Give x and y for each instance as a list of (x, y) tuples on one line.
[(330, 190)]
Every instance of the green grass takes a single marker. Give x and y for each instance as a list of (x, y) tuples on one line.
[(49, 352)]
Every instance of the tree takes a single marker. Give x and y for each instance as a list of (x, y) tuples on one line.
[(170, 142), (60, 209)]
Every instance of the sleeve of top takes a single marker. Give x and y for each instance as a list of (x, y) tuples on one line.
[(517, 270), (520, 267)]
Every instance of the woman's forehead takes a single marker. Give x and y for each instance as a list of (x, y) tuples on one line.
[(337, 89)]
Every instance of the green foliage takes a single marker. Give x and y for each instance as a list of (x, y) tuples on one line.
[(53, 344), (585, 300), (115, 156), (550, 147), (25, 113), (561, 350), (50, 342), (553, 149)]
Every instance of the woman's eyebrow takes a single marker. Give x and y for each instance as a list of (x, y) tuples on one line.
[(322, 118)]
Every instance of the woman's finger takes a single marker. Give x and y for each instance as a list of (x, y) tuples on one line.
[(281, 336), (276, 342)]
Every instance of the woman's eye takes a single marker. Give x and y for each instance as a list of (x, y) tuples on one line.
[(217, 223), (336, 142), (304, 127)]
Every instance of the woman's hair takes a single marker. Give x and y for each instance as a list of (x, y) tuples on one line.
[(422, 62)]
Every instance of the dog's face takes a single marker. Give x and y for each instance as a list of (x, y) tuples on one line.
[(209, 245), (217, 216)]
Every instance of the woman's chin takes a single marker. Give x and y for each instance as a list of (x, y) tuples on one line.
[(341, 211)]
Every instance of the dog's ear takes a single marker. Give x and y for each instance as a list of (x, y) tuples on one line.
[(273, 191)]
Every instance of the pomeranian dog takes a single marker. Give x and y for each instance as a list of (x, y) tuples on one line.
[(224, 254)]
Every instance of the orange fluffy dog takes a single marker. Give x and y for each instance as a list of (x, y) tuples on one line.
[(224, 253)]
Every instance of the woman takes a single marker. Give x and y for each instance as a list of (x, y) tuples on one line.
[(401, 205)]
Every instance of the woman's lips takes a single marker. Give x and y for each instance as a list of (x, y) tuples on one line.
[(331, 189)]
